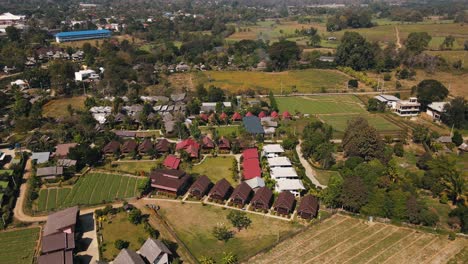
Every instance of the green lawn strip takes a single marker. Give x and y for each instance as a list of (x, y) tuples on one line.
[(130, 187), (340, 122), (83, 193), (100, 180), (323, 176), (104, 193), (123, 187), (313, 105), (71, 196), (51, 202), (369, 253), (42, 200), (18, 246), (114, 189), (359, 236), (216, 168), (62, 196), (395, 249), (139, 183)]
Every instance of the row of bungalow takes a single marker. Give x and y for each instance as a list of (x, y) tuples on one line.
[(131, 145)]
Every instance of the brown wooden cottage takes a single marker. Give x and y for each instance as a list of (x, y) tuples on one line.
[(224, 145), (169, 181), (207, 144), (145, 146), (220, 190), (241, 194), (309, 207), (200, 187), (111, 147), (284, 205), (163, 146), (128, 146), (262, 199)]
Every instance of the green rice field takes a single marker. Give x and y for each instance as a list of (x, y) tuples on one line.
[(92, 189), (340, 122), (321, 104), (18, 246)]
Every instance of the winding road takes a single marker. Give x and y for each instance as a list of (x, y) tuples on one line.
[(310, 172)]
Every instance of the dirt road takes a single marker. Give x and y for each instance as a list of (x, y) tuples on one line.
[(310, 172)]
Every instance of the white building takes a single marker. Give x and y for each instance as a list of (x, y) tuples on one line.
[(279, 162), (407, 107), (279, 173), (21, 84), (389, 100), (435, 110), (9, 19), (86, 74), (295, 186), (211, 106), (272, 150)]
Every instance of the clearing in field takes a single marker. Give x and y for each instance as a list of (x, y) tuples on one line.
[(323, 176), (92, 189), (340, 122), (58, 108), (216, 168), (18, 246), (321, 104), (226, 131), (193, 224), (342, 239), (302, 81), (119, 227), (132, 167)]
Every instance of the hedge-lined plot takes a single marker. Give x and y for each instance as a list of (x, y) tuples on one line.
[(91, 189), (18, 246), (343, 239)]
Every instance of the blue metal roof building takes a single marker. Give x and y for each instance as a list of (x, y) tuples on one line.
[(82, 35)]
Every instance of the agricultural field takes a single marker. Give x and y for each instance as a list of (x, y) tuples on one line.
[(450, 56), (18, 246), (119, 227), (132, 167), (58, 108), (98, 42), (216, 168), (193, 224), (92, 189), (301, 81), (343, 239), (321, 104), (340, 122)]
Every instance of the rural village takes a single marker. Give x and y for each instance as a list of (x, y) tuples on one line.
[(228, 132)]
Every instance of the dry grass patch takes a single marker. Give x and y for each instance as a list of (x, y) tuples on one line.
[(58, 107)]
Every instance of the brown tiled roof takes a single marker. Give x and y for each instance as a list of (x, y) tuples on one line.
[(221, 188), (285, 201), (128, 146), (128, 256), (242, 192), (223, 143), (61, 150), (163, 145), (202, 184), (153, 249), (263, 196), (145, 146), (59, 257), (49, 171), (58, 241), (170, 180), (309, 204), (111, 147), (60, 220), (207, 143)]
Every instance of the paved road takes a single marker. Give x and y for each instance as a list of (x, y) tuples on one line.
[(310, 172)]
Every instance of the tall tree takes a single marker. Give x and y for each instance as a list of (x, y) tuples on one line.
[(417, 42), (361, 139), (429, 91), (282, 53), (354, 194), (355, 52), (456, 113)]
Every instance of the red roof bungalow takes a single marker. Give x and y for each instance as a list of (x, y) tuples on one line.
[(204, 117), (286, 115), (223, 116), (171, 181), (200, 187), (284, 205), (262, 199), (190, 146), (249, 114), (128, 146), (274, 114), (251, 169), (262, 114), (309, 207), (221, 190), (111, 147), (224, 144), (251, 153), (241, 194), (236, 117), (207, 143), (171, 162)]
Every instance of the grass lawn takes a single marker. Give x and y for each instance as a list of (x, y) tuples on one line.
[(91, 189), (216, 168), (321, 104), (132, 167), (58, 108), (226, 131), (323, 176), (118, 227), (302, 81), (193, 224), (3, 184), (18, 246), (450, 56), (7, 172), (340, 122)]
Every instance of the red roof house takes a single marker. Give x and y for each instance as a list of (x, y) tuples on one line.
[(204, 117), (236, 117), (250, 153), (201, 186), (284, 205), (171, 162), (286, 115), (207, 143), (251, 169), (309, 207), (249, 114), (223, 116), (262, 199), (224, 144), (128, 146), (190, 146), (172, 181), (241, 194), (274, 114), (220, 190), (262, 114)]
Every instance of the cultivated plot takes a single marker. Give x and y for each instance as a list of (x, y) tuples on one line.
[(321, 104), (343, 239), (17, 247)]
